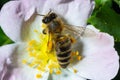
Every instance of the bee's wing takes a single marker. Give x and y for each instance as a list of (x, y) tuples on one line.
[(79, 31)]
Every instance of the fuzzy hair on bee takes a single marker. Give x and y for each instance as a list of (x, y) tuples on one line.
[(61, 42)]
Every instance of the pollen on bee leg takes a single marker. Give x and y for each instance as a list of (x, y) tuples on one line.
[(38, 75), (50, 45), (73, 40)]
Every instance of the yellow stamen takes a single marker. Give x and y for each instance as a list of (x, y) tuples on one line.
[(77, 53), (32, 64), (40, 68), (51, 71), (58, 72), (31, 42), (79, 57), (42, 54), (24, 61), (41, 58), (75, 71), (38, 76), (29, 49), (36, 31), (31, 54)]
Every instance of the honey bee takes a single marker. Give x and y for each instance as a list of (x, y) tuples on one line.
[(60, 41)]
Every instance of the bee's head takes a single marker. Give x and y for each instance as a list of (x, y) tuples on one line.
[(49, 18)]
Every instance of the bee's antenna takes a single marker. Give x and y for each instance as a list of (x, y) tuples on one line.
[(44, 15), (40, 14), (50, 11)]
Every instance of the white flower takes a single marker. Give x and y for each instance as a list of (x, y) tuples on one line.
[(18, 20)]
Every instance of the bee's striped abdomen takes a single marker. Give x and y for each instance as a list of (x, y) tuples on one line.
[(63, 51)]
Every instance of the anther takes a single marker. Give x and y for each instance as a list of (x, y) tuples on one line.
[(58, 72), (32, 64), (51, 71), (24, 61), (75, 71), (38, 76), (77, 53), (36, 31), (31, 42), (79, 57), (31, 54)]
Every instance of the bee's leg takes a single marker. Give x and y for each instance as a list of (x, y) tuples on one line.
[(50, 43), (73, 40)]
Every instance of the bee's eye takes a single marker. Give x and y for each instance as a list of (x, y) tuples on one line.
[(46, 20), (53, 15)]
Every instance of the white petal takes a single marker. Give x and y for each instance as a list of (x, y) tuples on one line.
[(12, 67), (100, 59), (5, 54), (65, 75), (26, 73), (29, 13), (75, 12), (22, 71), (11, 19)]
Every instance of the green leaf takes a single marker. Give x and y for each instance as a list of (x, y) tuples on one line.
[(118, 2), (107, 20), (100, 2), (4, 39)]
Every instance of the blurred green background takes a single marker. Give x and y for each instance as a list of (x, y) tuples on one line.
[(106, 17)]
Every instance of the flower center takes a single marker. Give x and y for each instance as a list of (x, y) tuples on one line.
[(42, 57)]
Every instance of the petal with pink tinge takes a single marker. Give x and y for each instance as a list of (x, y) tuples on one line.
[(27, 73), (11, 19), (100, 59), (75, 12), (14, 15), (5, 54)]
